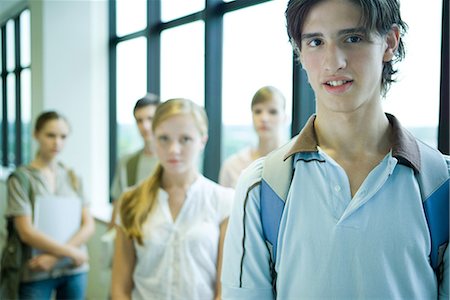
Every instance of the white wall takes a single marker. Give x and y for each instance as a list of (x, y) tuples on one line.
[(69, 74)]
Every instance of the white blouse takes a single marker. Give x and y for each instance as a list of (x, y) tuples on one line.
[(179, 258)]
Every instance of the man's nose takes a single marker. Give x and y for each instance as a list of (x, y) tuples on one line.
[(334, 59)]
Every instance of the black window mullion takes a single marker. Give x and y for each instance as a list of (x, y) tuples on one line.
[(129, 36), (5, 123), (17, 72), (182, 20), (213, 87), (303, 105), (238, 4), (154, 47), (112, 89), (443, 130)]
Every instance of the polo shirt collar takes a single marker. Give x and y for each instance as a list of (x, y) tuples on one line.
[(404, 147)]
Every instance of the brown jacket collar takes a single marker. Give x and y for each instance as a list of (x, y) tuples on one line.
[(404, 147)]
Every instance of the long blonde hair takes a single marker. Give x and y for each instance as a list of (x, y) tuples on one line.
[(138, 203)]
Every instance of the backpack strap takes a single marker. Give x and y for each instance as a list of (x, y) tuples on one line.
[(25, 182), (74, 180), (132, 169), (433, 180), (275, 182), (15, 253)]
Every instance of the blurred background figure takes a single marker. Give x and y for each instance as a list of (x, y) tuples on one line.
[(269, 118), (172, 226), (49, 213), (135, 167)]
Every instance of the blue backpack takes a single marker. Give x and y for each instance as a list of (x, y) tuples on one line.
[(433, 183)]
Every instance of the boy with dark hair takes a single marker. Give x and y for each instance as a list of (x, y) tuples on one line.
[(133, 168), (352, 222)]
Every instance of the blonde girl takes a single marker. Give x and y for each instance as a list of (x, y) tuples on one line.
[(172, 226)]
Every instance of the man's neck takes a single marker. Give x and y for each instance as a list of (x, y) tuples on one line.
[(353, 134), (148, 149)]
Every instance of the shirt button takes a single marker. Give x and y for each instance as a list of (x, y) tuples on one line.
[(337, 188)]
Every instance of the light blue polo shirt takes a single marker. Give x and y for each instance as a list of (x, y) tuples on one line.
[(375, 245)]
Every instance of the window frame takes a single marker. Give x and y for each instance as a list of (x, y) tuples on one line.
[(212, 15), (303, 103), (16, 137), (444, 109)]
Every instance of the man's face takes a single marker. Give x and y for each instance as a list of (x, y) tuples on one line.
[(144, 119), (343, 61)]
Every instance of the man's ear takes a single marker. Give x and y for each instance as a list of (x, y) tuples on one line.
[(392, 41)]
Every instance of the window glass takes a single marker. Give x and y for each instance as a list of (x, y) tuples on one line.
[(173, 9), (11, 98), (131, 16), (183, 62), (10, 46), (25, 38), (25, 78), (256, 53), (131, 85), (414, 99)]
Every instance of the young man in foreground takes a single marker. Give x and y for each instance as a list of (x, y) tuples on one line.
[(353, 224)]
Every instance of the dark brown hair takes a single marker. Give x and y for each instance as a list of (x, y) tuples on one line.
[(376, 16), (47, 116), (43, 119), (148, 99)]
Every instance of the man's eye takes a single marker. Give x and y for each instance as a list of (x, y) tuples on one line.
[(163, 138), (314, 43), (353, 39)]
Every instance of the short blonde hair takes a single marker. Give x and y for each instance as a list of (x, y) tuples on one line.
[(267, 93)]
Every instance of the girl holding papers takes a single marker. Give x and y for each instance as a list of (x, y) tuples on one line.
[(50, 215)]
